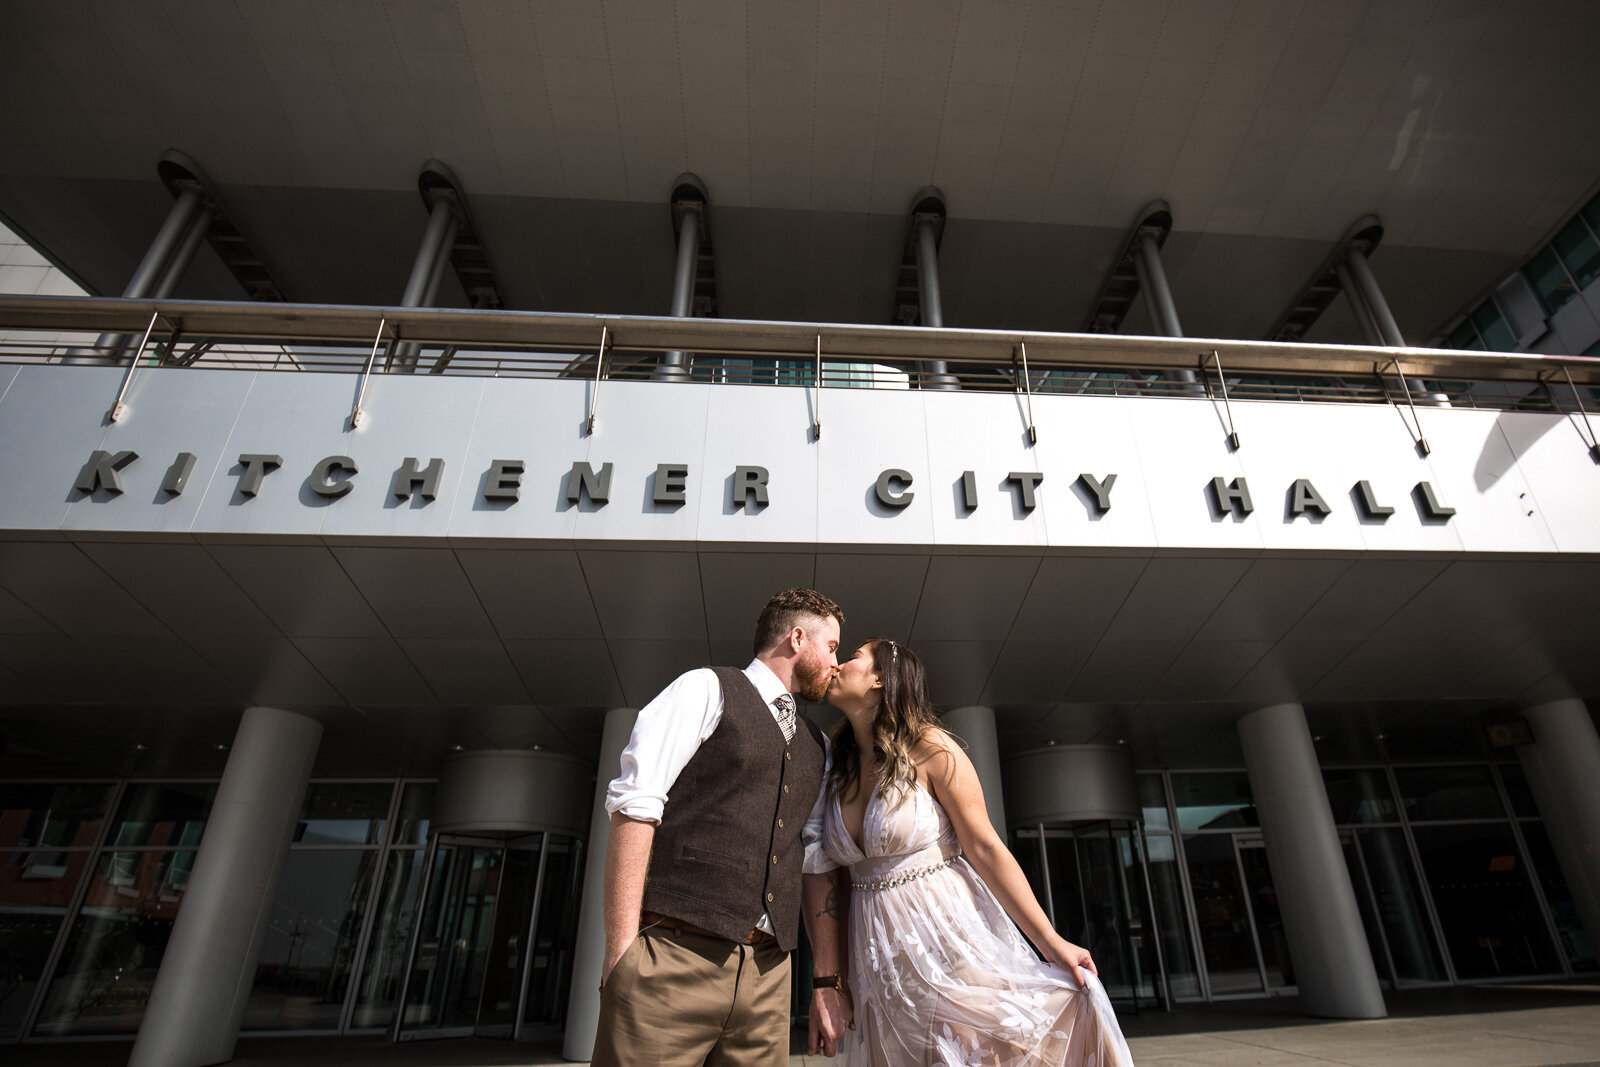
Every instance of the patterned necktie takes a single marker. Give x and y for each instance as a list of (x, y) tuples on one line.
[(785, 706)]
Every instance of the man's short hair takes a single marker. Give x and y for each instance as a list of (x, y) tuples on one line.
[(786, 610)]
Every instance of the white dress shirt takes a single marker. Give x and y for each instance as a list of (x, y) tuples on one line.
[(670, 730)]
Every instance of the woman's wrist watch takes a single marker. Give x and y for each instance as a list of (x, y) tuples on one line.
[(826, 981)]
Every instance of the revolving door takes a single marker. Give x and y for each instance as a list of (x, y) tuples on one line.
[(1073, 815), (492, 950)]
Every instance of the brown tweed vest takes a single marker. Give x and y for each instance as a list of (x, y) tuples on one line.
[(728, 847)]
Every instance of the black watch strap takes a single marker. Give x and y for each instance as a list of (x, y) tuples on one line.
[(824, 981)]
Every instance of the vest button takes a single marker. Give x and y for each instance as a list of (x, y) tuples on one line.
[(788, 755), (769, 898), (785, 789), (774, 859), (780, 824)]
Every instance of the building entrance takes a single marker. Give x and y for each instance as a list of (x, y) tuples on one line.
[(1090, 878), (490, 955)]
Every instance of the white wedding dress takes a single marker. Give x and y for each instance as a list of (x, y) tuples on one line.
[(938, 973)]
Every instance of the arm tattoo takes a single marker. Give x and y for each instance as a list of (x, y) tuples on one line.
[(830, 903)]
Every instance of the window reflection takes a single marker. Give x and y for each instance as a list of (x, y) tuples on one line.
[(391, 938), (59, 816), (35, 890), (1213, 800), (1432, 793), (311, 940), (162, 814), (1360, 796), (344, 813), (116, 944), (1485, 901)]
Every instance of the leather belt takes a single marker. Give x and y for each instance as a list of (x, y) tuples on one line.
[(678, 926)]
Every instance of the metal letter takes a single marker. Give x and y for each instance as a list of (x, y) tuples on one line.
[(504, 481), (1369, 501), (322, 481), (178, 474), (101, 471), (885, 490), (1303, 497), (409, 479), (256, 467), (1025, 482), (1431, 507), (747, 480), (1229, 494), (669, 483), (582, 481), (1100, 489), (969, 490)]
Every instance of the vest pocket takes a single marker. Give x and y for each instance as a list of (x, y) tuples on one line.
[(714, 859)]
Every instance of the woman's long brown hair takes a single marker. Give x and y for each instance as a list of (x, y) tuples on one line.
[(904, 716)]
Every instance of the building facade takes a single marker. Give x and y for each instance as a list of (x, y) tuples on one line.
[(415, 390)]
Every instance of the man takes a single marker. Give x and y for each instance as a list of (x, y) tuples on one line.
[(703, 862)]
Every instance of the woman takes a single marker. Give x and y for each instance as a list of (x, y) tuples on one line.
[(937, 972)]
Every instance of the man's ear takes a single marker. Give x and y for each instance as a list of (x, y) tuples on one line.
[(797, 638)]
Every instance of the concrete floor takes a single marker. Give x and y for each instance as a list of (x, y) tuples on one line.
[(1513, 1025)]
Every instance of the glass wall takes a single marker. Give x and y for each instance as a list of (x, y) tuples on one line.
[(87, 903), (1452, 871)]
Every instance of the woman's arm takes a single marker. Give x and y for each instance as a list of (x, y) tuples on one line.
[(954, 783)]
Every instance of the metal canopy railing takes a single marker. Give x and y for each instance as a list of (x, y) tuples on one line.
[(339, 338)]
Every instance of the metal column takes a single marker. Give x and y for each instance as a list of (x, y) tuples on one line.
[(589, 946), (1377, 307), (1158, 298), (975, 726), (152, 271), (199, 996), (427, 273), (689, 200), (1333, 966), (1358, 307), (935, 372), (1563, 768)]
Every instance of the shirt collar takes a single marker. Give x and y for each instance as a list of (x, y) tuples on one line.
[(765, 681)]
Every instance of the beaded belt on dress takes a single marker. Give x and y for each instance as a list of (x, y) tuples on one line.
[(902, 879)]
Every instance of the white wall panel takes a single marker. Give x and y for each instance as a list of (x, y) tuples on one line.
[(1492, 467)]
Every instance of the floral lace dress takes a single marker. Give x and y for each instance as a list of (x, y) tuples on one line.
[(938, 973)]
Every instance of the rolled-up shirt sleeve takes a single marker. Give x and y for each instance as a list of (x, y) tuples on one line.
[(666, 735), (817, 860)]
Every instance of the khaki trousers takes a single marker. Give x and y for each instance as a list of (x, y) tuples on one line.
[(682, 1000)]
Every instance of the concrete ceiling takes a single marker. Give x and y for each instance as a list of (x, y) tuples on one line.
[(1269, 125), (407, 651)]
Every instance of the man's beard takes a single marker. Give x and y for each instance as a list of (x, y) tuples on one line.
[(811, 680)]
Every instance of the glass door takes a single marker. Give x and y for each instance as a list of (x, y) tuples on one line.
[(1090, 879), (491, 952), (1222, 914), (454, 941), (1271, 941)]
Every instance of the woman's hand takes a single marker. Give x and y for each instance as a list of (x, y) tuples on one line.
[(1070, 957)]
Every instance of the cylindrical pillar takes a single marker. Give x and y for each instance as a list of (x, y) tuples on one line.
[(1563, 767), (159, 254), (589, 946), (157, 258), (1158, 300), (975, 726), (433, 239), (935, 372), (1372, 297), (1153, 283), (427, 274), (200, 992), (182, 256), (676, 364), (1358, 306), (1332, 963)]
